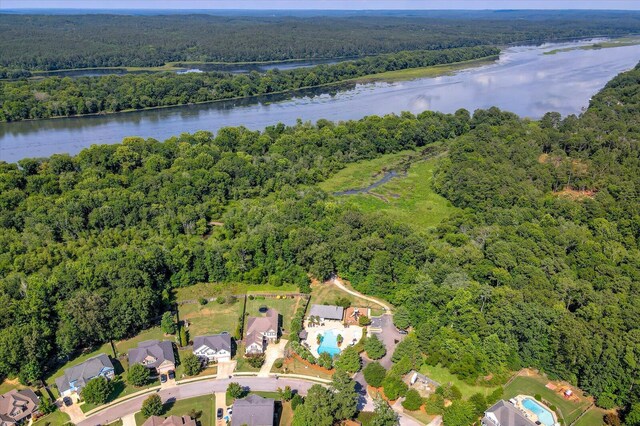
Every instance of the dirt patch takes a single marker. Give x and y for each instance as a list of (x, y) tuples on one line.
[(308, 364), (576, 194)]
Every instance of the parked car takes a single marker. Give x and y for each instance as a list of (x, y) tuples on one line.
[(172, 374), (401, 331), (67, 401), (230, 410), (163, 378), (220, 413)]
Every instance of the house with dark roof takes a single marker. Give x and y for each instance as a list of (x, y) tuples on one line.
[(17, 406), (156, 355), (253, 410), (260, 331), (76, 377), (213, 348), (170, 421), (504, 413), (327, 312)]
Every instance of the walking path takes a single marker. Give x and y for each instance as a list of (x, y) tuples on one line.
[(338, 282)]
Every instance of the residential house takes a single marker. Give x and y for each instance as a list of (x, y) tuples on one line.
[(327, 312), (253, 410), (213, 348), (76, 377), (170, 421), (503, 413), (260, 331), (156, 355), (17, 406)]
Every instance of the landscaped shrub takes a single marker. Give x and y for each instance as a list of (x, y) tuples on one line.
[(538, 397), (192, 364), (374, 347), (231, 299), (251, 297), (413, 400), (303, 352), (325, 361), (256, 361), (220, 300), (234, 390), (374, 374), (278, 363), (364, 320), (296, 400)]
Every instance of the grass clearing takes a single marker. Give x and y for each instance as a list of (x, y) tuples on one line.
[(532, 385), (443, 376), (208, 290), (593, 417), (327, 293), (286, 307), (206, 404), (211, 318), (364, 173), (407, 199), (619, 42)]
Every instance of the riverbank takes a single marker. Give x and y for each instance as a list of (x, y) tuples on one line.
[(389, 76), (620, 42)]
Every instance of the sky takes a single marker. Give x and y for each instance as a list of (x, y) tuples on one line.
[(322, 4)]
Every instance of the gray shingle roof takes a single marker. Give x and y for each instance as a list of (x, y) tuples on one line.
[(216, 342), (161, 350), (169, 421), (507, 415), (253, 410), (327, 311), (16, 405), (263, 324), (84, 372)]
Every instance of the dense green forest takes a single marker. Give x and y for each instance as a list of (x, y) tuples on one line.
[(541, 268), (39, 42), (55, 96)]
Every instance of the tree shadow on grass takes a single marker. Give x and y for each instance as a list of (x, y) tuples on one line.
[(168, 405)]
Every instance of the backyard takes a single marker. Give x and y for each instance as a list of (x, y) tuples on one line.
[(285, 306), (443, 376), (326, 294), (535, 384), (211, 318), (204, 404)]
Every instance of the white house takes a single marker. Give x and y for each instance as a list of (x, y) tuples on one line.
[(213, 348)]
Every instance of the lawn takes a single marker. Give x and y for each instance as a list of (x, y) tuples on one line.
[(407, 199), (286, 307), (208, 290), (443, 376), (10, 384), (532, 385), (206, 404), (211, 318), (243, 364), (327, 293), (295, 366), (56, 418), (593, 417), (421, 416), (364, 173)]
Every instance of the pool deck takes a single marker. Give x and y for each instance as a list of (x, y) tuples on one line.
[(348, 333), (517, 402)]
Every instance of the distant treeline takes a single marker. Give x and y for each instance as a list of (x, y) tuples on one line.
[(40, 42), (55, 96)]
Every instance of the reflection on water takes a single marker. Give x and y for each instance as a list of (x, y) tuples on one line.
[(523, 81)]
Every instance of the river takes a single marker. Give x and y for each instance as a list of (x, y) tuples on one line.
[(524, 81)]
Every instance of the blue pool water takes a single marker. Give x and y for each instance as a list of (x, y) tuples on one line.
[(544, 415), (329, 343)]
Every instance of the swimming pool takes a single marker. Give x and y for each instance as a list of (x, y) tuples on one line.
[(329, 343), (544, 416)]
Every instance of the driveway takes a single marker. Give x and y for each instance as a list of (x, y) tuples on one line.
[(390, 337), (221, 402), (273, 352), (75, 413), (226, 368)]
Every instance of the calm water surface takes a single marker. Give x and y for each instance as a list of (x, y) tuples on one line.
[(524, 81)]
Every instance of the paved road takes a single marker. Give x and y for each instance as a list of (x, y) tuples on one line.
[(190, 390)]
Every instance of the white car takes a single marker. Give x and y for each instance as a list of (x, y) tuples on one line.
[(230, 410)]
